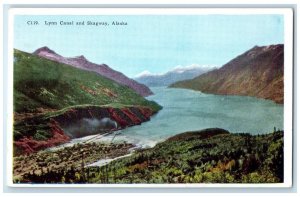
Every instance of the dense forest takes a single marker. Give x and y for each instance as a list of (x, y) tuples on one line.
[(207, 156)]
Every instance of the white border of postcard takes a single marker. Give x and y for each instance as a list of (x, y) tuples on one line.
[(288, 84)]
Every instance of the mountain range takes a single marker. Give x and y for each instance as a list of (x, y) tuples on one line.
[(102, 69), (50, 98), (258, 72), (178, 73)]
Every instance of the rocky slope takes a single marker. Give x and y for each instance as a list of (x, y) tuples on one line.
[(44, 131), (257, 72), (102, 69)]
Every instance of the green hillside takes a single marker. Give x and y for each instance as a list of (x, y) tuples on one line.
[(41, 85)]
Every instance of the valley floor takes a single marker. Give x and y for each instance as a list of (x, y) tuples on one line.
[(63, 160)]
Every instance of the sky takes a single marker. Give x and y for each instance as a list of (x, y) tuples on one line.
[(154, 43)]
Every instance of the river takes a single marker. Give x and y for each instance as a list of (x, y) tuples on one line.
[(188, 110)]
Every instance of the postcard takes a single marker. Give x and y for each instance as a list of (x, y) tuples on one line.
[(144, 97)]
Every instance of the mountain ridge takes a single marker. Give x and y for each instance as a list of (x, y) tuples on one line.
[(102, 69), (257, 72)]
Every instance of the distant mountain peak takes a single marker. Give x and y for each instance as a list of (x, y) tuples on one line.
[(81, 57), (145, 73), (256, 50), (182, 69), (177, 73), (272, 47), (105, 65), (44, 49)]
